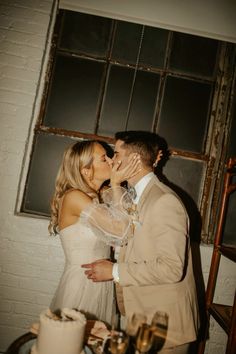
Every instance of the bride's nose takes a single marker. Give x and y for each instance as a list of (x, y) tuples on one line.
[(109, 161)]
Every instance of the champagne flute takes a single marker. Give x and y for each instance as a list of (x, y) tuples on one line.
[(132, 327), (144, 338), (134, 322), (159, 327), (119, 342)]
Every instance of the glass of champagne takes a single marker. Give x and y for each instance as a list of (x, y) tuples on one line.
[(132, 327), (144, 339), (119, 342), (134, 322), (159, 327)]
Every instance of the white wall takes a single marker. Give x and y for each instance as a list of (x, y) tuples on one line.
[(30, 261)]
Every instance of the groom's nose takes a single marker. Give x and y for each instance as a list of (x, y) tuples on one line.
[(109, 160)]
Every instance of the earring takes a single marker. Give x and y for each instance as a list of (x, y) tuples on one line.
[(155, 164)]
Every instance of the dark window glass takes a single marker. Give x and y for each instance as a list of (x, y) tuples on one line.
[(184, 114), (126, 42), (85, 33), (186, 174), (114, 112), (128, 39), (230, 224), (232, 140), (193, 54), (116, 105), (45, 162), (74, 94), (143, 101), (154, 47)]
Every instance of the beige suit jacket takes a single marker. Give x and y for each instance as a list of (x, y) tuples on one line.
[(155, 267)]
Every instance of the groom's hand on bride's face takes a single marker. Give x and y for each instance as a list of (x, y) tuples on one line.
[(100, 270)]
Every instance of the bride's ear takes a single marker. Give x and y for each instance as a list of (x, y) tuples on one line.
[(86, 173)]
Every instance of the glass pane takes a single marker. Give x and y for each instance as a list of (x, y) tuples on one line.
[(113, 115), (229, 237), (126, 42), (143, 101), (154, 47), (85, 33), (74, 94), (232, 134), (186, 177), (184, 114), (193, 54), (116, 103), (45, 162)]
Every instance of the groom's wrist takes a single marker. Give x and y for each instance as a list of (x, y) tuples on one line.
[(115, 273)]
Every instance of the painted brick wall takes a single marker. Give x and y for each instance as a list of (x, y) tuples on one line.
[(30, 261)]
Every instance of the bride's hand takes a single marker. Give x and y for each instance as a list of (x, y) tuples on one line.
[(119, 174)]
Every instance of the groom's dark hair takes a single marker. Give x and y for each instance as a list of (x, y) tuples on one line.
[(143, 142)]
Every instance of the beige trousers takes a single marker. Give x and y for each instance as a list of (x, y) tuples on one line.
[(180, 349)]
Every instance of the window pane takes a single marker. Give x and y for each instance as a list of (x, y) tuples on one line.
[(45, 162), (85, 33), (187, 175), (154, 47), (113, 115), (184, 114), (232, 140), (193, 54), (143, 101), (115, 108), (127, 42), (230, 225), (74, 94)]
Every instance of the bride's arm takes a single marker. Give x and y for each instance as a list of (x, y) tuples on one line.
[(110, 221)]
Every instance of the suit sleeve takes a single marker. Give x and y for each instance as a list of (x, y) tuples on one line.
[(167, 232)]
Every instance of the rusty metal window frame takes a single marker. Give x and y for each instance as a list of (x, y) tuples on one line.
[(219, 119)]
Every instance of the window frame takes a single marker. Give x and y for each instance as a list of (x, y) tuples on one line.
[(214, 148)]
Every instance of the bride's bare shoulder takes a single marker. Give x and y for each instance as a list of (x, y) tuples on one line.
[(76, 196), (75, 201)]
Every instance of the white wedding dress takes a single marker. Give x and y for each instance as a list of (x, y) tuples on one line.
[(81, 246), (89, 239)]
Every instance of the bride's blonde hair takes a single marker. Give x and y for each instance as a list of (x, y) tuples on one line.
[(75, 158)]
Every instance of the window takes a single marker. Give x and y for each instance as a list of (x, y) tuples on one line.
[(107, 75)]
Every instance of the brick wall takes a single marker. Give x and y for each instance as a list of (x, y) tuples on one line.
[(30, 261)]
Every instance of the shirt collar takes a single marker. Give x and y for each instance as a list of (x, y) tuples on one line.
[(141, 185)]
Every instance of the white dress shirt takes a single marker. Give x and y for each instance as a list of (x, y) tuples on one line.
[(139, 188)]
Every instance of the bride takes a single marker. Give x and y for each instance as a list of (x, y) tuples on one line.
[(85, 167)]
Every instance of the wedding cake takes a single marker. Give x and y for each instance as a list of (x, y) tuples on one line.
[(60, 335)]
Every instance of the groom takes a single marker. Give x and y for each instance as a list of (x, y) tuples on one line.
[(154, 270)]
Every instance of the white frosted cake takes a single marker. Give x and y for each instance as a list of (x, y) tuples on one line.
[(63, 335)]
